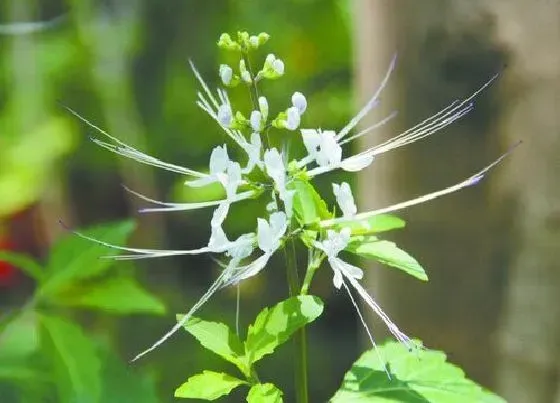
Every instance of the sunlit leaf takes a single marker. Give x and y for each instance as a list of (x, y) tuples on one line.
[(273, 326), (264, 393), (24, 263), (208, 385), (118, 295), (218, 338), (416, 377), (308, 205), (74, 258), (388, 253), (372, 225), (76, 362)]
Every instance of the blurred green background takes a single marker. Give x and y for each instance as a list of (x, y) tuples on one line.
[(124, 66)]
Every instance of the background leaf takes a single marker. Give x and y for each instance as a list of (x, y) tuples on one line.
[(120, 295), (76, 362), (416, 377), (24, 263), (308, 205), (209, 385), (74, 258), (273, 326), (218, 338), (20, 337), (389, 254), (264, 393)]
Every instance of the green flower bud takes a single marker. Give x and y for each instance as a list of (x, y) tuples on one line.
[(245, 75), (225, 42), (263, 38)]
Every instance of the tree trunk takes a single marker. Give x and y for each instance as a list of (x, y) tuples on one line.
[(530, 333), (445, 53)]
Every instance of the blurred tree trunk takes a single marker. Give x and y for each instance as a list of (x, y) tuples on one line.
[(530, 332), (445, 53)]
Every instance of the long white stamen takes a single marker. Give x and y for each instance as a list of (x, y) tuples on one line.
[(217, 285), (366, 327), (471, 180), (371, 128), (204, 85)]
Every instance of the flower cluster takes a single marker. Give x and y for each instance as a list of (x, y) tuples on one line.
[(326, 235)]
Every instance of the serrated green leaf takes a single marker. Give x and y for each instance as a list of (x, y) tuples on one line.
[(25, 263), (218, 338), (308, 205), (416, 377), (388, 253), (372, 225), (208, 385), (264, 393), (74, 258), (120, 295), (76, 363), (273, 326), (20, 337)]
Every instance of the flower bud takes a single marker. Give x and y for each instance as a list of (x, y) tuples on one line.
[(226, 74), (299, 101), (273, 67), (293, 118), (245, 75), (225, 42), (254, 42), (263, 38), (256, 121), (225, 116), (263, 106)]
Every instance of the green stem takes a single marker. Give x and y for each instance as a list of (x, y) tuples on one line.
[(300, 338)]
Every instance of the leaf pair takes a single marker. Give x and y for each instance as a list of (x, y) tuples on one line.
[(272, 327)]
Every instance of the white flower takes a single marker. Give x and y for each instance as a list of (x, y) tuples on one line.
[(322, 147), (253, 150), (219, 161), (293, 118), (299, 101), (226, 74), (270, 233), (256, 121), (263, 106), (332, 246), (225, 115), (274, 67), (345, 199)]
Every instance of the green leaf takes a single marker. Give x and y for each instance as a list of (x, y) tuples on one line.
[(123, 382), (389, 254), (76, 363), (264, 393), (273, 326), (308, 205), (218, 338), (208, 385), (119, 295), (74, 258), (20, 337), (24, 263), (422, 376), (372, 225)]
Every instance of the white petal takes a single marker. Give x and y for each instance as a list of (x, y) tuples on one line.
[(293, 118), (356, 162), (278, 66), (264, 235), (299, 101), (347, 269), (219, 160), (345, 199), (337, 278), (275, 167), (219, 215), (218, 240), (278, 225), (245, 272)]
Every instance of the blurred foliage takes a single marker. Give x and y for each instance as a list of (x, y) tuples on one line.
[(45, 352)]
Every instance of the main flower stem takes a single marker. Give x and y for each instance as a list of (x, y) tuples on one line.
[(300, 338)]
